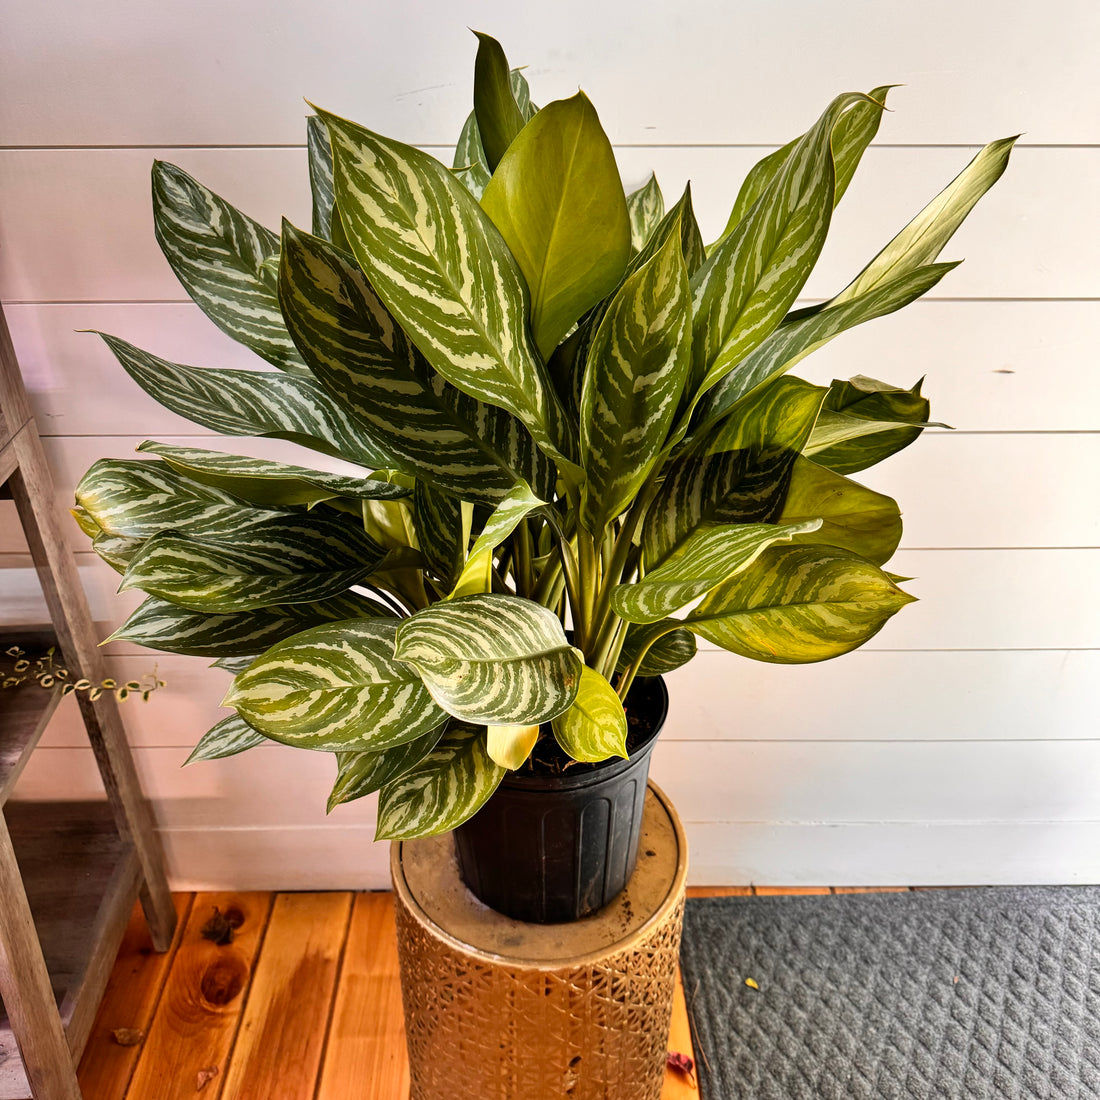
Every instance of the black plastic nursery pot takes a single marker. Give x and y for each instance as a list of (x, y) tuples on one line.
[(557, 843)]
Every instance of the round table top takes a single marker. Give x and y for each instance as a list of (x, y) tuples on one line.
[(426, 879)]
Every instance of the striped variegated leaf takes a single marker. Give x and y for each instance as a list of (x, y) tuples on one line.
[(851, 136), (492, 659), (522, 93), (361, 773), (853, 517), (898, 275), (558, 201), (568, 362), (738, 474), (84, 520), (116, 550), (159, 624), (707, 489), (439, 532), (704, 560), (269, 484), (320, 176), (594, 727), (799, 604), (754, 185), (362, 357), (507, 516), (239, 402), (499, 116), (445, 789), (234, 665), (469, 161), (864, 421), (509, 746), (780, 414), (220, 256), (668, 653), (446, 275), (136, 499), (751, 277), (229, 737), (921, 241), (646, 207), (806, 332), (289, 559), (637, 366), (336, 687), (680, 218)]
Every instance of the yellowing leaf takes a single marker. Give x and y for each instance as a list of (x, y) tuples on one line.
[(509, 746), (594, 727)]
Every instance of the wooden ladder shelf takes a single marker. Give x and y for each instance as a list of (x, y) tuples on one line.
[(69, 872)]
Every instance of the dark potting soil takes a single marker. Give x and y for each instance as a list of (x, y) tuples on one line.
[(643, 705)]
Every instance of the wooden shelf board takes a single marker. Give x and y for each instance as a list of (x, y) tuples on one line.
[(25, 710), (81, 880)]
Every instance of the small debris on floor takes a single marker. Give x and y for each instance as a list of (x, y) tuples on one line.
[(219, 928), (751, 983), (205, 1076), (682, 1064), (128, 1036)]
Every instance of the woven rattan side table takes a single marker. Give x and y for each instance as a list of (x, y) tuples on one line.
[(496, 1009)]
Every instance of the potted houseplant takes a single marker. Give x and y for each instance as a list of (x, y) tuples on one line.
[(577, 444)]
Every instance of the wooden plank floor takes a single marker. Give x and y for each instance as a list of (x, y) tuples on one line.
[(303, 1004)]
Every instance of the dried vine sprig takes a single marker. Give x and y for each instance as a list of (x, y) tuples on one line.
[(49, 675)]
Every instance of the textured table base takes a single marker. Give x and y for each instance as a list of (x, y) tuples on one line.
[(514, 1011)]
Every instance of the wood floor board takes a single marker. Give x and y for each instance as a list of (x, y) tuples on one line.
[(282, 1034), (187, 1049), (366, 1041), (771, 891), (719, 891), (870, 889), (129, 1003)]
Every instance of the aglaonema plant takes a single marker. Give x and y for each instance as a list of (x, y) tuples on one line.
[(563, 411)]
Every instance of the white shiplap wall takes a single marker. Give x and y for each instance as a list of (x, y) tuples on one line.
[(962, 744)]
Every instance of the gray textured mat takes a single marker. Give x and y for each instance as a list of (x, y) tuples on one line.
[(931, 995)]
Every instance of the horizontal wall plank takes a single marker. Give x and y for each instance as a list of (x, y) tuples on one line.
[(975, 490), (901, 854), (78, 74), (890, 854), (878, 854), (77, 223), (867, 696), (332, 857), (997, 599), (269, 786), (990, 366), (835, 781), (711, 781), (969, 599)]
